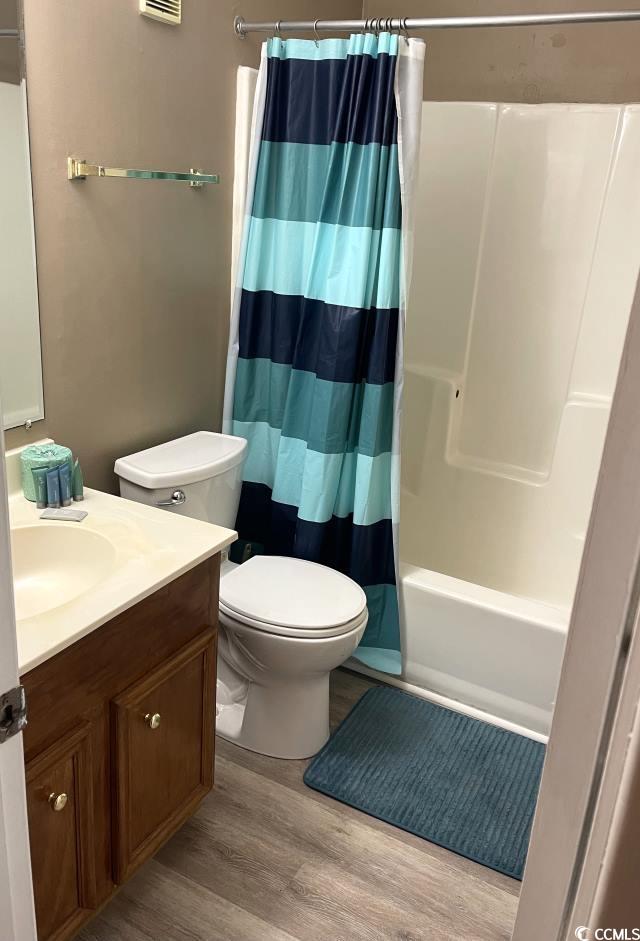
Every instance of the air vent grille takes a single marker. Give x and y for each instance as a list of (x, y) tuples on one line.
[(167, 11)]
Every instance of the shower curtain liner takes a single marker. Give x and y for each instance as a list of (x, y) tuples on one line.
[(315, 366)]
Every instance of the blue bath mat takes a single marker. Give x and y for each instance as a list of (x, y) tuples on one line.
[(459, 782)]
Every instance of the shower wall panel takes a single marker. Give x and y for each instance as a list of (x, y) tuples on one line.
[(526, 254)]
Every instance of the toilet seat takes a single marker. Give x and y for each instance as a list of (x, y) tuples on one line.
[(292, 597), (231, 617)]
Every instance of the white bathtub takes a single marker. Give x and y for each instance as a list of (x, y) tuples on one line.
[(483, 652), (495, 652), (515, 327)]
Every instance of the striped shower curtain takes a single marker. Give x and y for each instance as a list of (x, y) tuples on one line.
[(314, 375)]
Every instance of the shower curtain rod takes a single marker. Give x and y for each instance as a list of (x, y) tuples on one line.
[(409, 23)]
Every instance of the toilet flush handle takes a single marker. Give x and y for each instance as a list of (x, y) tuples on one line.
[(176, 499)]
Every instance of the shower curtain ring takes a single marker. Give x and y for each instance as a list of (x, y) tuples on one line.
[(404, 30), (315, 33)]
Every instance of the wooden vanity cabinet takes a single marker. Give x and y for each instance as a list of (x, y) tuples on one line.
[(119, 748)]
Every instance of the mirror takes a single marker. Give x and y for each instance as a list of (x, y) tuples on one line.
[(21, 395)]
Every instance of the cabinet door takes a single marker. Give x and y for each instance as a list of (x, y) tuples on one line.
[(163, 735), (60, 807)]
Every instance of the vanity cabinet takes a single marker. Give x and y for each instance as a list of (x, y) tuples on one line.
[(119, 748)]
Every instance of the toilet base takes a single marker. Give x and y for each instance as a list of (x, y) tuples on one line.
[(273, 690), (288, 721)]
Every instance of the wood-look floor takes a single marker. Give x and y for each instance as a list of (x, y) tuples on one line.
[(267, 859)]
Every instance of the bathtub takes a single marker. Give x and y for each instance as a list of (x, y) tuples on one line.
[(514, 333), (482, 652), (494, 652)]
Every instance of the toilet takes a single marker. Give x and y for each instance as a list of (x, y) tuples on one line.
[(285, 623)]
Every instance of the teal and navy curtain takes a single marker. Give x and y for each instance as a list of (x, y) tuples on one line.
[(315, 390)]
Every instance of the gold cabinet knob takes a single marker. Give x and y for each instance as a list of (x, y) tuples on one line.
[(58, 802), (152, 719)]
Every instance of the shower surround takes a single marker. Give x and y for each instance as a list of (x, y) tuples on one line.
[(527, 251), (521, 291)]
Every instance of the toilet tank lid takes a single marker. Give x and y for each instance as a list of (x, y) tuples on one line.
[(185, 460)]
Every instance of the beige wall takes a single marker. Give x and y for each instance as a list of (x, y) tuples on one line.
[(568, 63), (134, 276)]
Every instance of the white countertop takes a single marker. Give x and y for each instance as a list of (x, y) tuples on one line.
[(151, 548)]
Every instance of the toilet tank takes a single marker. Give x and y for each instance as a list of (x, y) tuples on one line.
[(199, 475)]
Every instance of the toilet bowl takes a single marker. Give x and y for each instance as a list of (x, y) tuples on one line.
[(284, 623)]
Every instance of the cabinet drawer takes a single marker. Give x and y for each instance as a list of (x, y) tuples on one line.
[(163, 739), (60, 808)]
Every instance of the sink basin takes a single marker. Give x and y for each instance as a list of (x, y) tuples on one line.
[(54, 563)]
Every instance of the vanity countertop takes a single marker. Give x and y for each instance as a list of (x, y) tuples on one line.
[(70, 578)]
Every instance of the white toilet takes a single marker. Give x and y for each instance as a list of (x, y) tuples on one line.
[(284, 623)]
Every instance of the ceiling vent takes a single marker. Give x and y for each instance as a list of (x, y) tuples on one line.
[(167, 11)]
